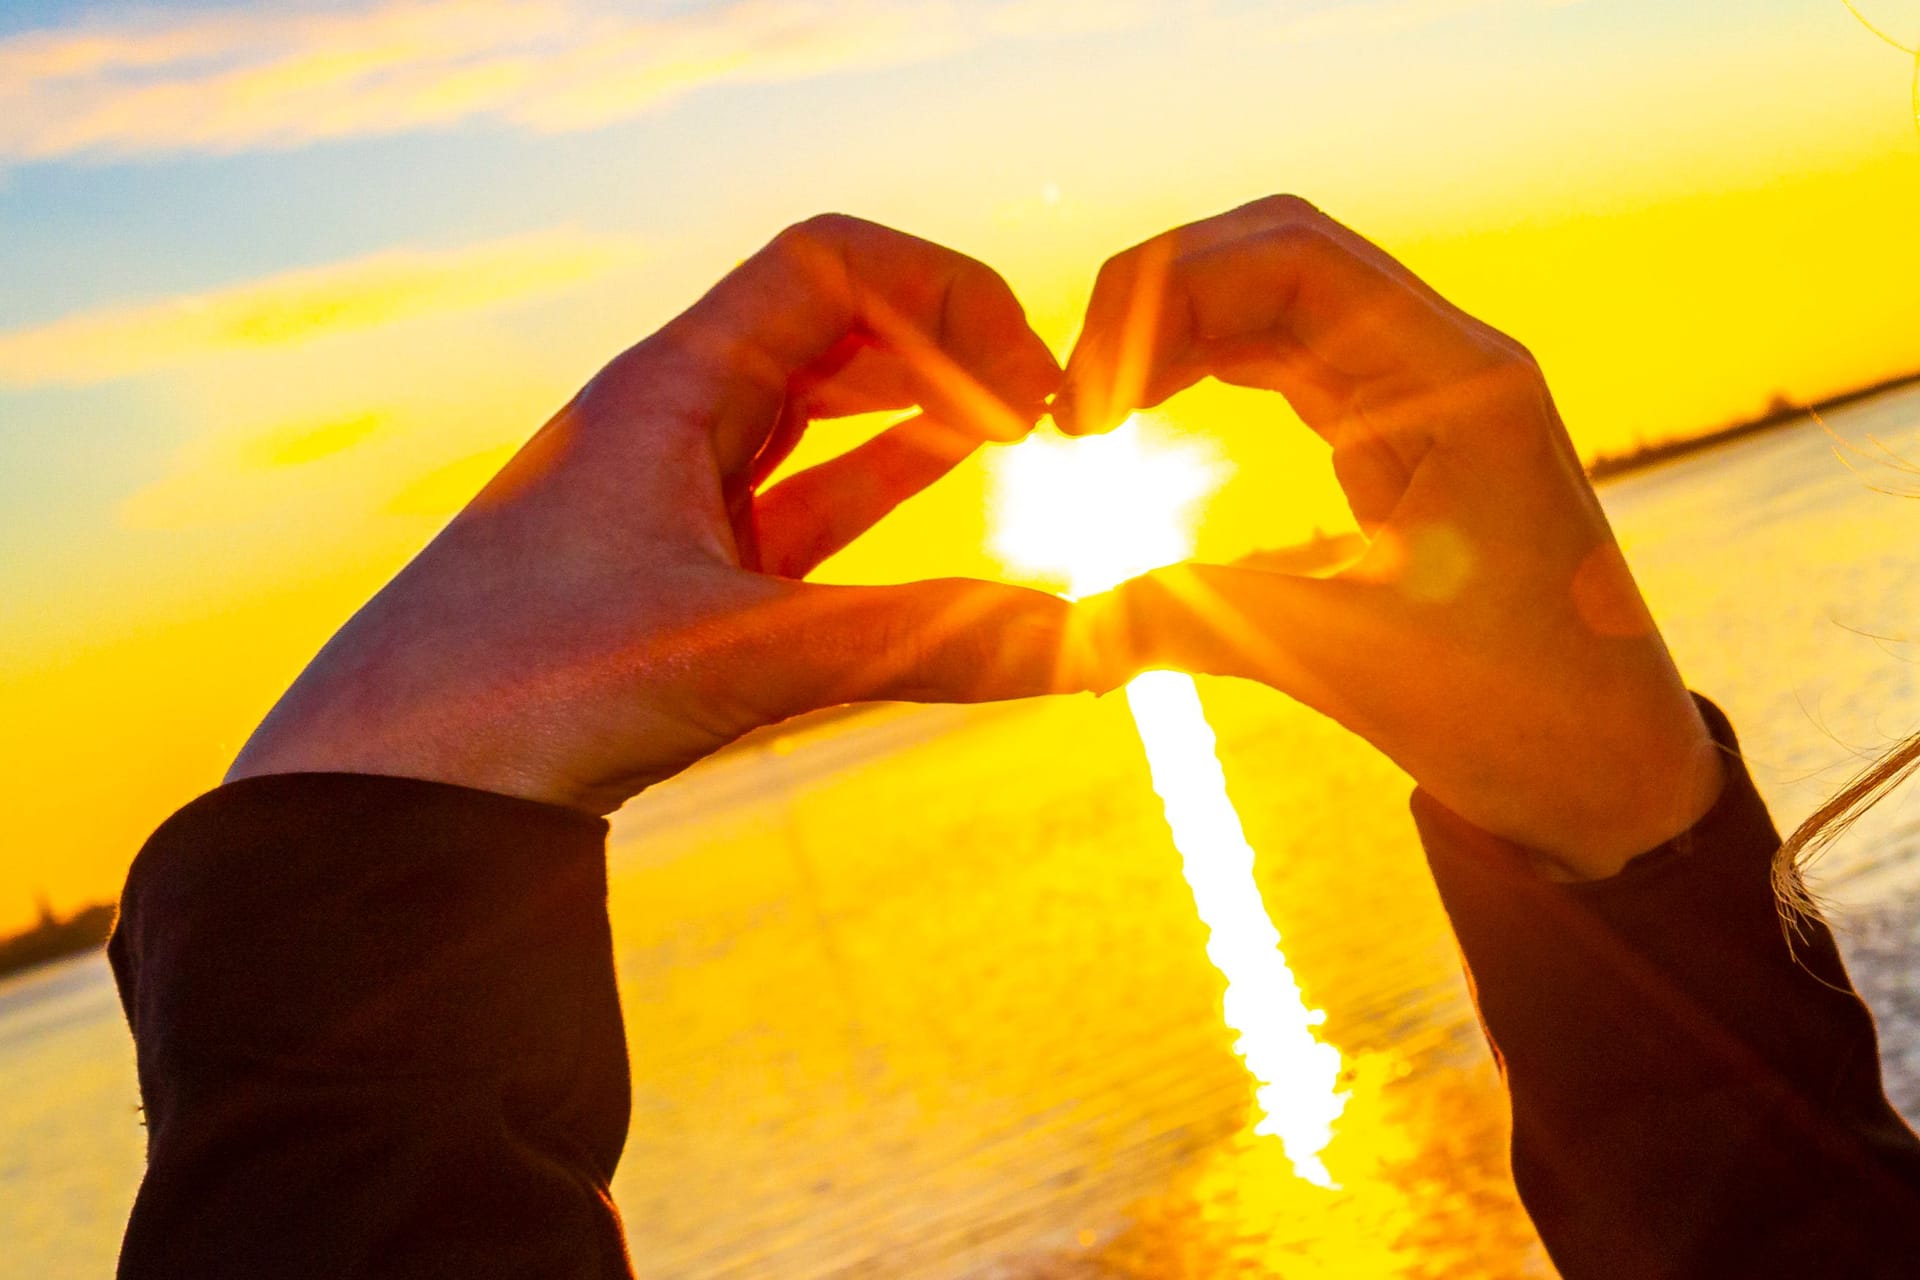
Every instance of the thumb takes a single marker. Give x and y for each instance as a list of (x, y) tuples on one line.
[(1318, 640), (943, 640)]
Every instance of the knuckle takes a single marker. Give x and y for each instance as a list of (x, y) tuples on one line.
[(1512, 384), (1289, 207), (1300, 238), (828, 226), (978, 279), (818, 236), (1290, 242), (970, 288), (1512, 366), (1520, 354)]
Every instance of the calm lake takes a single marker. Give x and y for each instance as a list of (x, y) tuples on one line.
[(926, 993)]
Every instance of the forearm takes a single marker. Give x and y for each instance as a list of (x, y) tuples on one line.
[(1693, 1094), (378, 1034)]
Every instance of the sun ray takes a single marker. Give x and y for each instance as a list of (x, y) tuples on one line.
[(1141, 332), (1225, 619)]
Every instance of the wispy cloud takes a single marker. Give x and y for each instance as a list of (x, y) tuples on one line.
[(223, 479), (299, 306), (226, 81)]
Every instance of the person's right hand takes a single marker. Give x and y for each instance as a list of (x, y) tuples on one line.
[(1491, 640)]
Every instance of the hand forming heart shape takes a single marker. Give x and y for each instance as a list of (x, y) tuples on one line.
[(1491, 640), (625, 596)]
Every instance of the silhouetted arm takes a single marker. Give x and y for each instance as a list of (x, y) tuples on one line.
[(378, 1035), (1691, 1098)]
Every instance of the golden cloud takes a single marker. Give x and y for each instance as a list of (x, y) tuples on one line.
[(220, 480), (225, 80), (299, 306), (229, 81), (297, 444)]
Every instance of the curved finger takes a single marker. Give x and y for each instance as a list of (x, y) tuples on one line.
[(947, 640), (1127, 354), (952, 324), (1273, 294), (871, 379), (1125, 340), (809, 516)]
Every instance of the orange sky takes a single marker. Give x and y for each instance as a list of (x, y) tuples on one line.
[(249, 363)]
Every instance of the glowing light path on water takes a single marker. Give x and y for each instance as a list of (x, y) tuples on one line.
[(1092, 513), (1297, 1075)]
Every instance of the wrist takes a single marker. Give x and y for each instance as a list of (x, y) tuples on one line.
[(1636, 820)]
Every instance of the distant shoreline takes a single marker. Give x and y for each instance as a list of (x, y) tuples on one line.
[(1781, 413), (56, 939)]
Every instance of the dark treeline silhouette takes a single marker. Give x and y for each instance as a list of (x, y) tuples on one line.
[(1779, 412), (55, 939)]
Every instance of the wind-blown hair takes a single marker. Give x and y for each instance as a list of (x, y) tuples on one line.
[(1831, 820)]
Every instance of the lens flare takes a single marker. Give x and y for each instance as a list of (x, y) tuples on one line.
[(1083, 516)]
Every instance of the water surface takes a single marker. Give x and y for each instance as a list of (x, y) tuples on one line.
[(925, 994)]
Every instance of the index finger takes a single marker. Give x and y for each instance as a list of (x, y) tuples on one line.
[(972, 361), (1275, 285)]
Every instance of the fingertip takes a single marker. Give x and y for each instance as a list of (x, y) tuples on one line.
[(1065, 410), (1077, 413), (1028, 382), (1089, 659), (1043, 645), (1016, 421), (1160, 619), (1105, 636)]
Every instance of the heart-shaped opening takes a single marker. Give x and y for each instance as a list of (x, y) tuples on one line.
[(1217, 473), (1081, 516)]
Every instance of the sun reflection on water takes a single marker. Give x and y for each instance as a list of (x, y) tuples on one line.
[(1089, 514), (1298, 1075)]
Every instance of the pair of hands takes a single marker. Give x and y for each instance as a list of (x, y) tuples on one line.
[(627, 595)]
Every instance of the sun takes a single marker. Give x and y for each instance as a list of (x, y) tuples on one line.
[(1083, 515)]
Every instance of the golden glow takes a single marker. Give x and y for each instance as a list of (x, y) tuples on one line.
[(146, 508), (1085, 515), (1298, 1092), (1089, 514)]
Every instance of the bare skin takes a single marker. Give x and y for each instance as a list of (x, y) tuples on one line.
[(1491, 640), (626, 596)]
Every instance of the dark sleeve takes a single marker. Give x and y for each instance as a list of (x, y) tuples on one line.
[(377, 1033), (1696, 1092)]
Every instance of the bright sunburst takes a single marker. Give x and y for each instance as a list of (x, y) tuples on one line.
[(1086, 515)]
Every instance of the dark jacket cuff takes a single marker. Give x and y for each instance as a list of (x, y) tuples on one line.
[(339, 922)]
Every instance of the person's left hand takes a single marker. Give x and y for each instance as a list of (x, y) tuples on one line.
[(1491, 640), (625, 596)]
